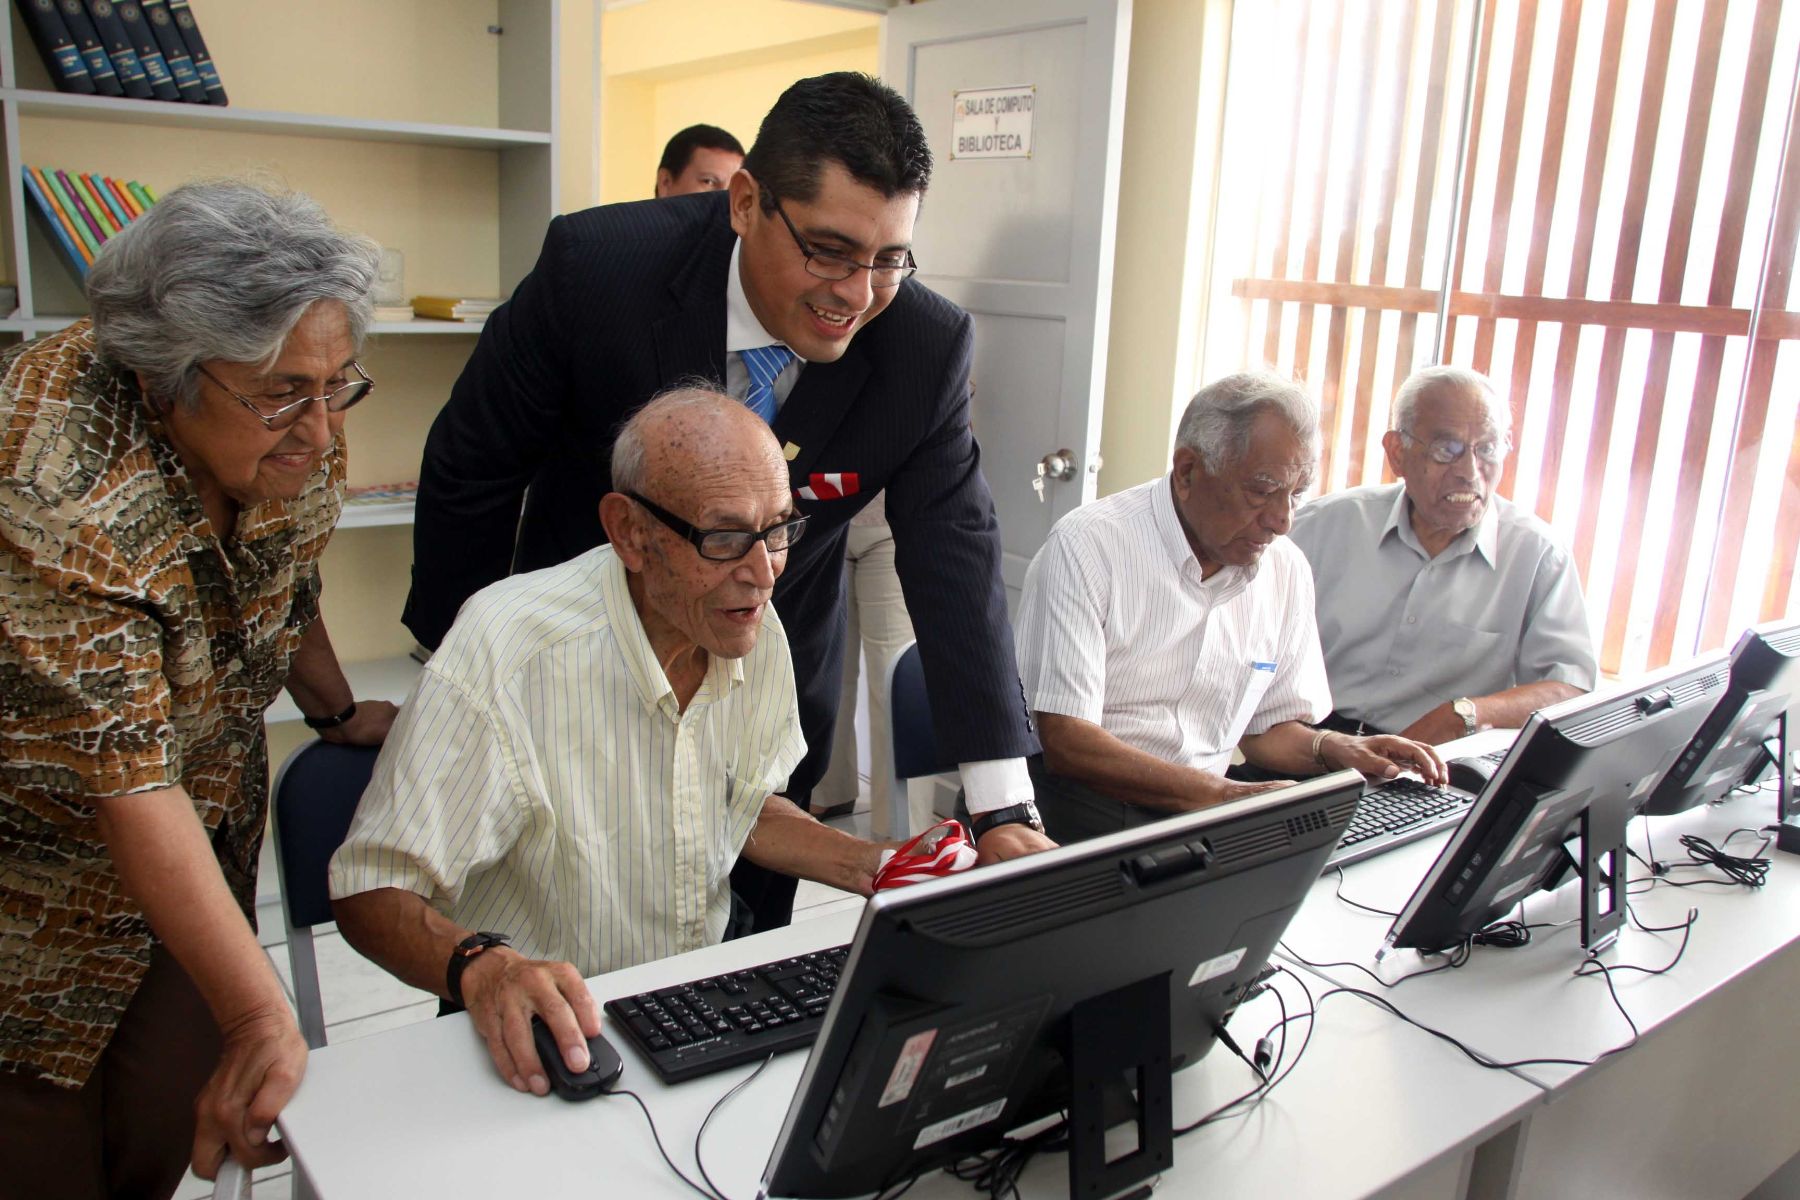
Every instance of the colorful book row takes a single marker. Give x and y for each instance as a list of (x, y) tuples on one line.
[(82, 211), (144, 49)]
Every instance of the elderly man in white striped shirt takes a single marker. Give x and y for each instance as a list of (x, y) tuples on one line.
[(1166, 624), (593, 746)]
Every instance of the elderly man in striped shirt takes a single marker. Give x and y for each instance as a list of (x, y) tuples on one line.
[(1454, 610), (1166, 624), (593, 746)]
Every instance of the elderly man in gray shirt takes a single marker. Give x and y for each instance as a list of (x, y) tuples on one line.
[(1443, 608)]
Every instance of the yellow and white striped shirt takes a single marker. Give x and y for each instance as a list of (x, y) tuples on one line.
[(542, 782)]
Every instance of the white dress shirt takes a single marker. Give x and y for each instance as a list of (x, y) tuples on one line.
[(542, 782), (744, 332), (995, 783), (1118, 628), (1404, 632)]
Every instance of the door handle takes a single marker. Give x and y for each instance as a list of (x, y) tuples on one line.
[(1058, 466)]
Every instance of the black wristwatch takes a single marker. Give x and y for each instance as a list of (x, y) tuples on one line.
[(331, 722), (1013, 814), (460, 958)]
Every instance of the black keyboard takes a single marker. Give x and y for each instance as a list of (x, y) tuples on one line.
[(1397, 812), (710, 1024)]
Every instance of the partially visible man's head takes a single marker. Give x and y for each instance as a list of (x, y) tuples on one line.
[(1245, 453), (1450, 438), (701, 158), (709, 462), (831, 186)]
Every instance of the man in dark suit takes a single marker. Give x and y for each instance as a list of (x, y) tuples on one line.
[(774, 288)]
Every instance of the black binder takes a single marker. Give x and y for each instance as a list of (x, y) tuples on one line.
[(56, 46), (174, 50), (87, 40), (150, 55), (203, 63), (119, 49)]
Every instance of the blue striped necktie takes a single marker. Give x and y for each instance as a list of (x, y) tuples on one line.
[(764, 363)]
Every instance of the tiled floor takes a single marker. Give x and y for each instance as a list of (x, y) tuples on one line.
[(360, 998)]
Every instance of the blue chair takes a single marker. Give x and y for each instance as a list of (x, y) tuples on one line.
[(915, 745), (315, 796)]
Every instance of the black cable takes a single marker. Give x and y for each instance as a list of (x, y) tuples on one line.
[(657, 1138), (1473, 1055), (1265, 1082), (1454, 958), (1230, 1043), (997, 1171), (711, 1191), (1741, 870), (1380, 912), (1685, 928), (1509, 934), (741, 1084), (1751, 871)]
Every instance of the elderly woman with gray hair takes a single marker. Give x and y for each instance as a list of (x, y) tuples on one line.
[(170, 471)]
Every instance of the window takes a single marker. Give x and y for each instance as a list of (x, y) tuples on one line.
[(1595, 204)]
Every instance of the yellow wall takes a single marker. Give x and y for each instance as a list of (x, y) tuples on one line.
[(668, 64), (1173, 107), (663, 64), (578, 106)]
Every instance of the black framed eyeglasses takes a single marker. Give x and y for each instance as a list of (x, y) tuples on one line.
[(828, 264), (1447, 450), (278, 412), (726, 545)]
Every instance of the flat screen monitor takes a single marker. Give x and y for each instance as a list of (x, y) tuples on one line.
[(1735, 744), (974, 1005), (1560, 800)]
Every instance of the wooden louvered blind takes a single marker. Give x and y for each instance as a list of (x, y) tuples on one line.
[(1602, 199)]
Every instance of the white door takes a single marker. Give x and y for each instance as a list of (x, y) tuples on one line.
[(1025, 244)]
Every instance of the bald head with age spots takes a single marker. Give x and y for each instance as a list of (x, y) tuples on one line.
[(707, 460)]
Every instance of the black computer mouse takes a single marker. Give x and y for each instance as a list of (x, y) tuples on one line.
[(604, 1065), (1471, 774)]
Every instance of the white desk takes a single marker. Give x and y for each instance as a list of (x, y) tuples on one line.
[(1703, 1106), (1375, 1108)]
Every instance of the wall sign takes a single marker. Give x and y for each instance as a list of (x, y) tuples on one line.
[(992, 122)]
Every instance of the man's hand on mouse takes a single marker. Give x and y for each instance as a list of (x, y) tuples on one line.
[(503, 988)]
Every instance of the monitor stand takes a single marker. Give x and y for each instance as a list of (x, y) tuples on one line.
[(1603, 875), (1787, 814), (1119, 1061)]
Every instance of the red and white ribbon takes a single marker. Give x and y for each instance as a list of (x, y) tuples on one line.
[(830, 485), (944, 849)]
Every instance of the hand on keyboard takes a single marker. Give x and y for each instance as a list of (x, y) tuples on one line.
[(1384, 756)]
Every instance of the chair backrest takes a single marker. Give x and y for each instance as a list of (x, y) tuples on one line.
[(315, 797), (915, 743), (316, 793), (915, 748)]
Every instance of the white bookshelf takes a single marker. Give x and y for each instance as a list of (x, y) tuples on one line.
[(39, 326), (523, 142), (459, 176), (363, 514), (171, 115), (426, 328)]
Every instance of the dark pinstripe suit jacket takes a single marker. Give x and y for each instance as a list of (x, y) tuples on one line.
[(629, 299)]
